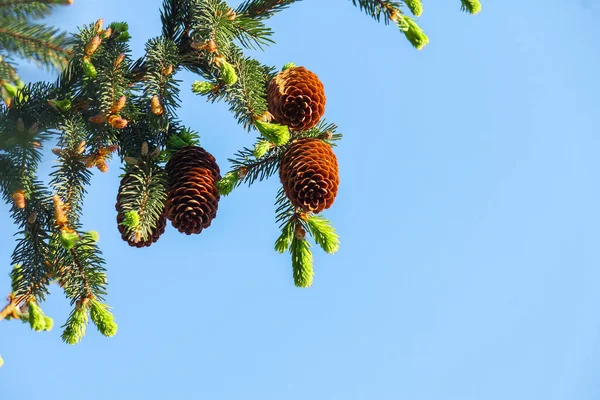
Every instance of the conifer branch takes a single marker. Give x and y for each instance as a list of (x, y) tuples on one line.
[(35, 42), (263, 9)]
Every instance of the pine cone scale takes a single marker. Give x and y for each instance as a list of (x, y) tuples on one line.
[(309, 175), (296, 98), (193, 197)]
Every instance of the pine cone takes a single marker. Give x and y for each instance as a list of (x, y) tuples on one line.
[(154, 236), (309, 174), (161, 224), (193, 197), (296, 98)]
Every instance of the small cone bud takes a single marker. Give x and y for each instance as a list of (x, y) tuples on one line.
[(81, 147), (167, 71), (117, 122), (210, 46), (68, 239), (119, 60), (131, 160), (228, 74), (35, 128), (59, 213), (300, 232), (106, 34), (88, 69), (118, 105), (32, 218), (101, 164), (98, 25), (93, 45), (19, 199), (200, 87), (156, 107), (231, 15), (145, 149), (155, 153), (104, 151), (98, 119)]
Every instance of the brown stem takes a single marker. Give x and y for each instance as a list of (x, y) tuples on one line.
[(36, 42), (8, 310)]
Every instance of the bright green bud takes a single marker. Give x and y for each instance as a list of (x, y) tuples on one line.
[(104, 319), (131, 220), (413, 32), (49, 323), (120, 31), (415, 7), (69, 239), (92, 236), (19, 83), (37, 318), (275, 133), (75, 326), (60, 105), (227, 183), (261, 148), (288, 66), (324, 233), (283, 242), (302, 263), (228, 75), (10, 89), (88, 69), (202, 87), (471, 6)]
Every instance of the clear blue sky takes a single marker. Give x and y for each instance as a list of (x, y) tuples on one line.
[(469, 212)]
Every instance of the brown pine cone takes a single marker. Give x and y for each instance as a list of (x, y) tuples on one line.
[(296, 98), (309, 174), (193, 197), (154, 236)]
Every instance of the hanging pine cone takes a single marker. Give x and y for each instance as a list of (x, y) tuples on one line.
[(296, 98), (309, 174), (193, 197), (156, 233), (127, 235)]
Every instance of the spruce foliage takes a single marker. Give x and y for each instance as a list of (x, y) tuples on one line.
[(21, 36), (108, 104)]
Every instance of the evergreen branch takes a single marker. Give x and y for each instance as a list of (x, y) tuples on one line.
[(175, 18), (35, 42), (379, 9), (324, 233), (247, 97), (302, 262), (263, 9), (471, 6)]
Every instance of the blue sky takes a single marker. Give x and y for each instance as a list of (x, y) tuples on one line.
[(468, 212)]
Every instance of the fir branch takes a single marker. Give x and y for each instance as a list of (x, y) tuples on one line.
[(35, 42), (247, 98), (379, 9), (263, 9), (24, 9), (175, 18), (302, 262)]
